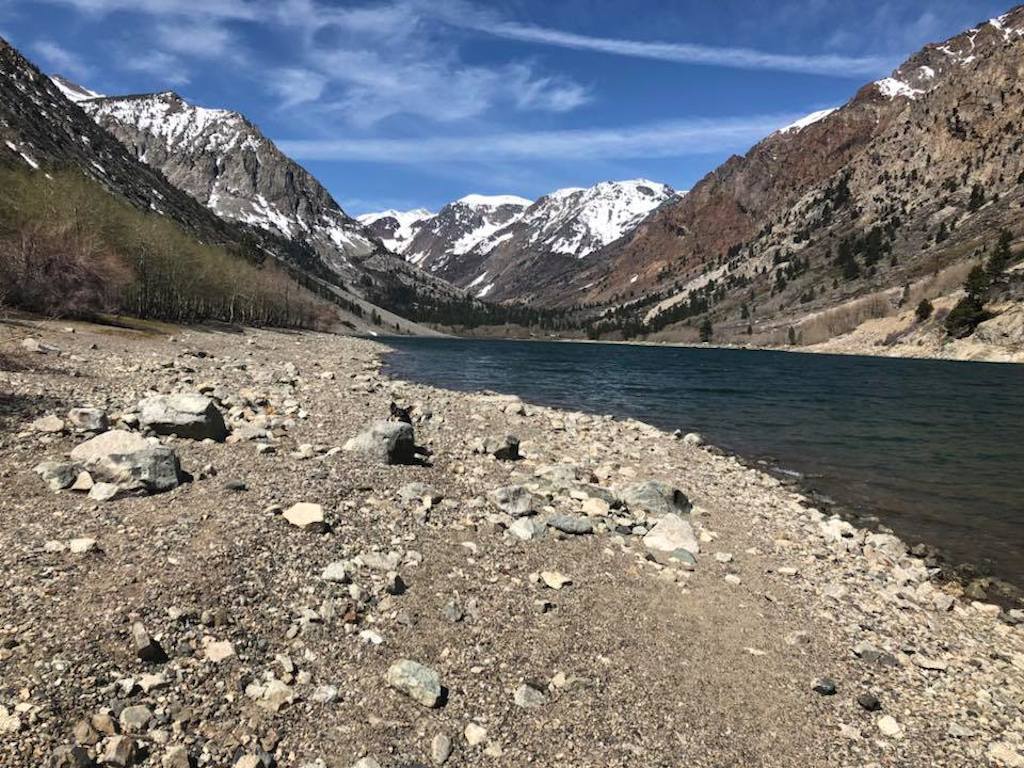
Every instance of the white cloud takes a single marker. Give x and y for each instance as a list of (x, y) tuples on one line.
[(658, 140), (691, 53), (162, 67), (60, 60), (296, 86), (244, 10), (197, 40)]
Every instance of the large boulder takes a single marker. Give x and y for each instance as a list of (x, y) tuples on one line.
[(655, 497), (87, 420), (389, 442), (190, 416), (129, 461)]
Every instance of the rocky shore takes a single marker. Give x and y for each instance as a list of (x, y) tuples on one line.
[(229, 549)]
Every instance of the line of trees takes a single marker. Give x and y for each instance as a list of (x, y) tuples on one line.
[(69, 248)]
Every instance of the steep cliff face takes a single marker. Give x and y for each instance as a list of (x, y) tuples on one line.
[(917, 173), (225, 162)]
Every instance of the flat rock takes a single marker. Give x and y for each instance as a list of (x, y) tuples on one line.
[(194, 417), (514, 500), (554, 579), (656, 498), (672, 533), (304, 515), (130, 461), (573, 524), (49, 425)]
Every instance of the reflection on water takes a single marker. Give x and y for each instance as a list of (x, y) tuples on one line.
[(934, 448)]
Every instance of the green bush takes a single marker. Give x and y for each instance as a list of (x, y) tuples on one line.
[(924, 310)]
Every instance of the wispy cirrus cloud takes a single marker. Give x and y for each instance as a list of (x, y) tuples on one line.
[(657, 140), (692, 53), (60, 59)]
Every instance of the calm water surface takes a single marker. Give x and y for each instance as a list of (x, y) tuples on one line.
[(935, 449)]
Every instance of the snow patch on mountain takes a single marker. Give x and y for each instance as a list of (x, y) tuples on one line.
[(396, 229), (73, 91), (810, 119), (494, 201)]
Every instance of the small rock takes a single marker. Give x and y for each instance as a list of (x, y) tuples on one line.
[(81, 546), (527, 697), (418, 682), (305, 515), (146, 648), (825, 686), (193, 417), (672, 533), (134, 719), (869, 702), (121, 751), (440, 749), (554, 579), (388, 442), (50, 425), (475, 734), (176, 757), (87, 420), (104, 491), (889, 727), (571, 524), (514, 500), (219, 651), (337, 572)]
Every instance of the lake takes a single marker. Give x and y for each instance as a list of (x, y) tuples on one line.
[(934, 449)]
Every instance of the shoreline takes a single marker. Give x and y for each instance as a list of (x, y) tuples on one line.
[(1016, 356), (867, 519), (780, 593)]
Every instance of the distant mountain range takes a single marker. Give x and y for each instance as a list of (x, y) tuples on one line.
[(497, 246)]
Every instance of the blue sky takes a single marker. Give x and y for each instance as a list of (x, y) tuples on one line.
[(407, 103)]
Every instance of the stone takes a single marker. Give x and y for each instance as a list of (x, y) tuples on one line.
[(87, 420), (514, 500), (525, 529), (656, 498), (9, 722), (146, 648), (1003, 754), (85, 734), (218, 651), (440, 749), (931, 665), (194, 417), (135, 718), (672, 533), (889, 727), (276, 696), (325, 694), (572, 524), (81, 546), (121, 751), (419, 492), (393, 584), (83, 482), (366, 762), (693, 438), (887, 544), (38, 347), (337, 572), (387, 442), (151, 682), (554, 579), (50, 425), (502, 448), (528, 697), (825, 686), (418, 682), (305, 515), (176, 756), (475, 734), (128, 460), (70, 757), (57, 475), (104, 491), (869, 702)]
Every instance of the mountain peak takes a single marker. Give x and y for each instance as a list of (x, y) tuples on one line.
[(73, 91)]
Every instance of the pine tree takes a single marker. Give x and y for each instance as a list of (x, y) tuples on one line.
[(706, 330)]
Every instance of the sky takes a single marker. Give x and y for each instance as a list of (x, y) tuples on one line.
[(414, 103)]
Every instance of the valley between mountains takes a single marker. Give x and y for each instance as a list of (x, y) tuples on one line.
[(854, 230)]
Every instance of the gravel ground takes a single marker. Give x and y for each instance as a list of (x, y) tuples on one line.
[(634, 663)]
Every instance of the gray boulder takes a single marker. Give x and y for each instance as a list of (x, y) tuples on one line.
[(87, 420), (190, 416), (420, 683), (57, 475), (129, 461), (672, 533), (656, 497), (502, 448), (389, 442), (514, 500), (573, 524)]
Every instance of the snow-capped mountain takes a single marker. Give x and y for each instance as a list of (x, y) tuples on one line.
[(223, 161), (226, 163), (458, 228), (577, 221), (396, 229)]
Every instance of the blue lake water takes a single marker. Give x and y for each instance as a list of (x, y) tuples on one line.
[(935, 449)]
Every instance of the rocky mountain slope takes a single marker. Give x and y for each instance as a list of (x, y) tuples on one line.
[(223, 161), (851, 211), (441, 242)]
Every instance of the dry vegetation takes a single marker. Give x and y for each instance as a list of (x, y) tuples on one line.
[(67, 248)]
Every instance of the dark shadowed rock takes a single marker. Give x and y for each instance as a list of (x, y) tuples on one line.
[(190, 416)]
